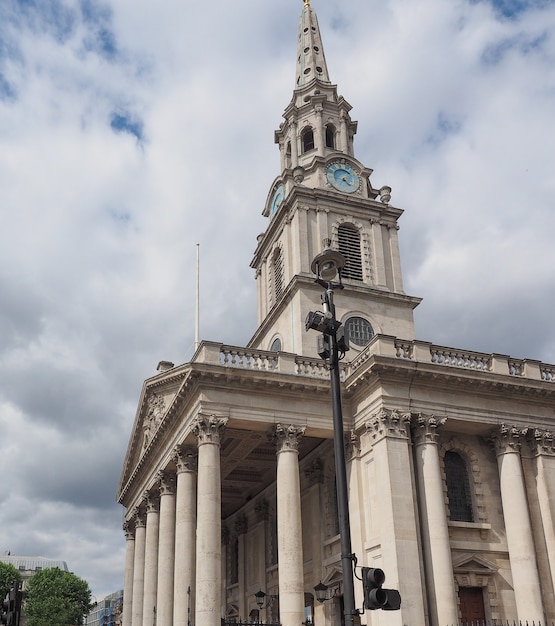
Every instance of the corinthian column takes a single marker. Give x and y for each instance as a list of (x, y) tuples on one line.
[(151, 558), (395, 511), (129, 530), (139, 566), (185, 530), (544, 449), (522, 552), (289, 527), (166, 547), (437, 548), (208, 590)]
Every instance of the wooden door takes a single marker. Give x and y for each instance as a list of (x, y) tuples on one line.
[(472, 605)]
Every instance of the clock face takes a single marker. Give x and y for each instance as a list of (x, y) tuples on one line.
[(343, 177), (277, 200)]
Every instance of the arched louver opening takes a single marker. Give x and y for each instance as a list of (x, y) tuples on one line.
[(307, 139), (458, 488), (330, 136), (349, 246), (277, 266)]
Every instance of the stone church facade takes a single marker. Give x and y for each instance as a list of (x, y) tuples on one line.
[(229, 482)]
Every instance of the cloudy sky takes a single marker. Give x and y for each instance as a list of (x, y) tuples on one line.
[(131, 130)]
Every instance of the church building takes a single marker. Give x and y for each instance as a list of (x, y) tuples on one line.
[(229, 483)]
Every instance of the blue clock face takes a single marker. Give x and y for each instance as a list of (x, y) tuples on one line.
[(343, 177), (277, 200)]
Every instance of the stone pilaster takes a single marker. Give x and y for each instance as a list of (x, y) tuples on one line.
[(166, 550), (151, 557), (139, 518), (289, 526), (209, 430), (129, 530), (395, 513), (185, 459), (437, 548), (522, 551)]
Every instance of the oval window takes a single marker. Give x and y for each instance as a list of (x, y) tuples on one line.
[(358, 330)]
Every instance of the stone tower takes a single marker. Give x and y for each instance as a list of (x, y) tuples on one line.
[(323, 197)]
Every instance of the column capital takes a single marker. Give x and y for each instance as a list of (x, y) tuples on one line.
[(209, 428), (262, 510), (508, 439), (388, 423), (315, 472), (185, 459), (425, 427), (139, 517), (287, 437), (543, 442), (241, 524), (167, 483), (152, 501), (129, 529)]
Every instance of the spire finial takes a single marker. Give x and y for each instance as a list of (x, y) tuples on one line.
[(307, 3)]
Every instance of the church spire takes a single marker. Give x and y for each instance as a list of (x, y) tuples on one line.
[(311, 62)]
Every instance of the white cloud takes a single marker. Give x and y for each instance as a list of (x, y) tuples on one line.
[(99, 230)]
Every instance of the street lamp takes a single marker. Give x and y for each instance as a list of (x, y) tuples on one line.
[(332, 345)]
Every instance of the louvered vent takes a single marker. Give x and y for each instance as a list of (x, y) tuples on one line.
[(349, 246), (278, 275)]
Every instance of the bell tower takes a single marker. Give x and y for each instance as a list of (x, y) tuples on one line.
[(323, 197)]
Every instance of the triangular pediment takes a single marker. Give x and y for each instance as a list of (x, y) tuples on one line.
[(473, 563), (158, 397)]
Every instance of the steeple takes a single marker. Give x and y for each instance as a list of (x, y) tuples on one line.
[(311, 62), (323, 193)]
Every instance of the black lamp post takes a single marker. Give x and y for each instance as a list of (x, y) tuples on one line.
[(332, 345)]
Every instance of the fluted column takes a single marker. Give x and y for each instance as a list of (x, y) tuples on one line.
[(151, 557), (544, 449), (208, 589), (185, 531), (289, 526), (129, 530), (522, 551), (139, 567), (437, 548), (166, 547)]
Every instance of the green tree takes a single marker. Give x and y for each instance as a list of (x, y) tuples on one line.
[(8, 574), (56, 598)]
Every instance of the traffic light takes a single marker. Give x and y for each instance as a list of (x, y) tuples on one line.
[(375, 597), (11, 606)]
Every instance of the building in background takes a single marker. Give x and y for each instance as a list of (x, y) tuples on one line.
[(29, 565), (228, 481), (106, 612)]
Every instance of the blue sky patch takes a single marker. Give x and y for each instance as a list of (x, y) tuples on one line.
[(124, 123)]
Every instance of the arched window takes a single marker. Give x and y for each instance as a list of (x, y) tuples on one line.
[(276, 345), (277, 267), (458, 488), (349, 245), (359, 331), (330, 136), (288, 161), (307, 139)]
